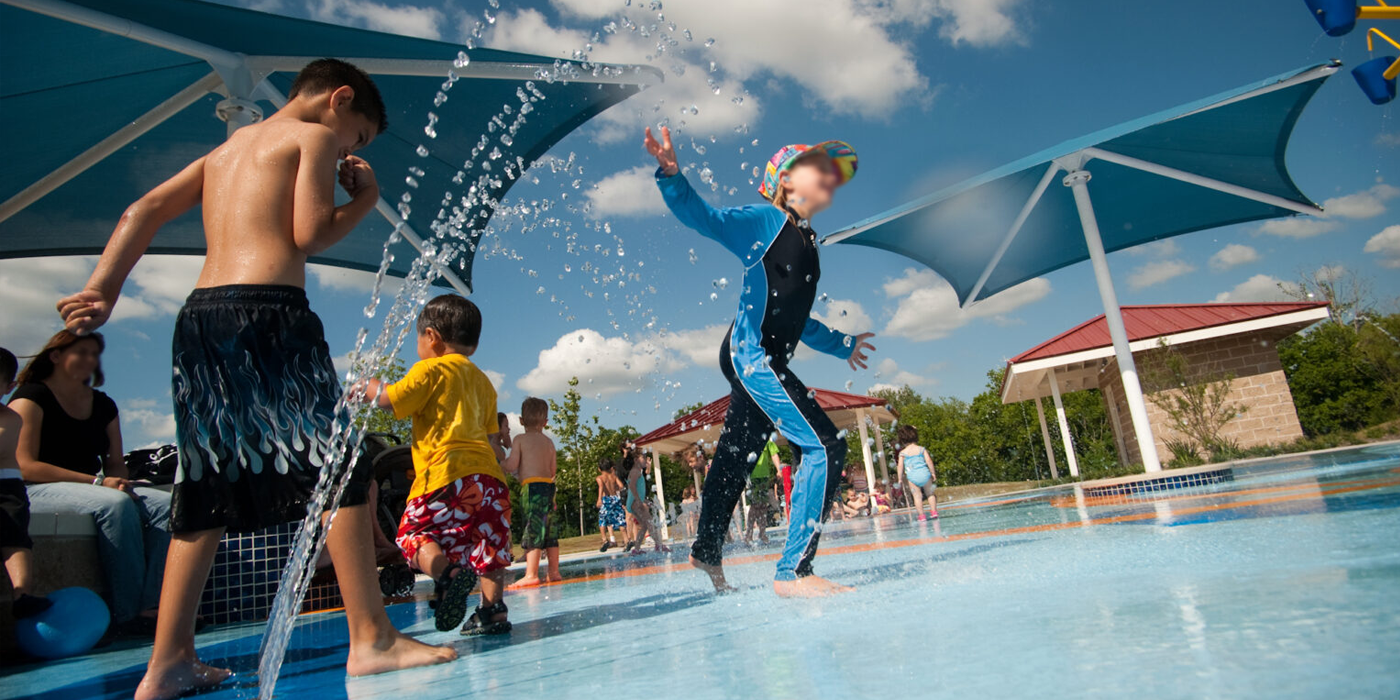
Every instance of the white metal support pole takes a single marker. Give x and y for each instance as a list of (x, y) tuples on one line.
[(1078, 182), (1064, 425), (884, 460), (865, 452), (660, 493), (1045, 436), (1117, 424)]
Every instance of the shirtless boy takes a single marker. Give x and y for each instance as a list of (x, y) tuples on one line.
[(611, 515), (532, 461), (268, 196)]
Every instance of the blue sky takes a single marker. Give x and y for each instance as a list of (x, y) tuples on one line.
[(928, 91)]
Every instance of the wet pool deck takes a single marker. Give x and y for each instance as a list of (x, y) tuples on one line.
[(1280, 583)]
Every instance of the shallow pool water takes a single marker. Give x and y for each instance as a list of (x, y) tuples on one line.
[(1280, 583)]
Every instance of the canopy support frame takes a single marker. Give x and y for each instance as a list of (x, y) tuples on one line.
[(861, 419), (1050, 171), (1045, 437), (660, 495), (1078, 182), (1063, 419), (245, 78), (114, 142)]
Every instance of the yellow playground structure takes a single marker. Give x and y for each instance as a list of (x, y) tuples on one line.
[(1339, 17)]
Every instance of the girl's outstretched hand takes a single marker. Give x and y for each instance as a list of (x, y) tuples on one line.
[(858, 355), (663, 151)]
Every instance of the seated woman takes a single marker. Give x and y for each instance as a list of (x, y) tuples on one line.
[(70, 454)]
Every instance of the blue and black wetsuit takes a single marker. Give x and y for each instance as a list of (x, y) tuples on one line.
[(780, 285)]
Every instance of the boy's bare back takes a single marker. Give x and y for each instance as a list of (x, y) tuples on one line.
[(536, 455), (265, 190)]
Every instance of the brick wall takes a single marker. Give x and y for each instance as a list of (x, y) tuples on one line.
[(1259, 385)]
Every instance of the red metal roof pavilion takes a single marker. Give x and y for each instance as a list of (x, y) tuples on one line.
[(1151, 322)]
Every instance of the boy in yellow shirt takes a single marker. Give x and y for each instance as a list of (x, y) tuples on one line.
[(456, 526)]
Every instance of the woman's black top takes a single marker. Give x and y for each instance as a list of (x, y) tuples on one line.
[(64, 441)]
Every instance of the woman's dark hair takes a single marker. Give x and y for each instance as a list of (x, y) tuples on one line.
[(908, 434), (630, 452), (41, 366), (455, 318), (329, 75)]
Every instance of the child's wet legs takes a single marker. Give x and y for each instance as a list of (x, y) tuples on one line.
[(175, 669), (375, 646)]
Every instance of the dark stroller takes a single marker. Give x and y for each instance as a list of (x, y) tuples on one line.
[(391, 461)]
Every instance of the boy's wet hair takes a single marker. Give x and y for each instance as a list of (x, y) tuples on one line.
[(455, 318), (9, 365), (328, 74), (534, 412), (606, 464), (908, 434)]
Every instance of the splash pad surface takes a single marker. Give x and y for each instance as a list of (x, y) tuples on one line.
[(1277, 583)]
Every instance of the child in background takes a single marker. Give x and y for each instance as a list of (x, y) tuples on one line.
[(916, 469), (610, 512), (637, 503), (252, 374), (500, 441), (15, 545), (456, 525), (532, 460), (880, 502)]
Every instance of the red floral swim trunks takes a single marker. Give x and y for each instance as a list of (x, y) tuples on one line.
[(469, 518)]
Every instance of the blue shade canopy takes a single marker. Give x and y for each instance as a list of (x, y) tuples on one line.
[(1210, 163), (103, 99)]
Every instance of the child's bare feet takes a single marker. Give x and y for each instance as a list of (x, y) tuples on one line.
[(180, 678), (809, 587), (716, 574), (398, 652), (525, 582), (555, 577)]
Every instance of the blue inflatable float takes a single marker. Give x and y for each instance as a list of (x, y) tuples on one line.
[(77, 619)]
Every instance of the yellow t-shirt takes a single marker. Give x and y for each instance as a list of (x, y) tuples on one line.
[(453, 407)]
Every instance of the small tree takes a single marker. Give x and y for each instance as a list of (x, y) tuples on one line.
[(576, 436), (1195, 399), (384, 421)]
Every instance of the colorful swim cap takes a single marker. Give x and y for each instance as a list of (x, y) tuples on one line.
[(841, 154)]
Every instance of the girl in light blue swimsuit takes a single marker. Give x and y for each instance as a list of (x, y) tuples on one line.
[(916, 469)]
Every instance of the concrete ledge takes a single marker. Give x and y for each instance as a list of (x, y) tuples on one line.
[(64, 524)]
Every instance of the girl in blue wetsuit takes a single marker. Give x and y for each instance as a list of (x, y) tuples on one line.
[(781, 270)]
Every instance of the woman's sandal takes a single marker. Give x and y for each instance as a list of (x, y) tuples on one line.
[(450, 597), (483, 622)]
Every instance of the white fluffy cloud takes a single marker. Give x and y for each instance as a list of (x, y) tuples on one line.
[(1299, 227), (1157, 272), (890, 376), (847, 316), (1257, 288), (928, 307), (1388, 139), (698, 346), (1386, 244), (604, 365), (147, 423), (32, 286), (976, 22), (1164, 248), (630, 192), (1365, 204), (409, 20), (1233, 255)]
